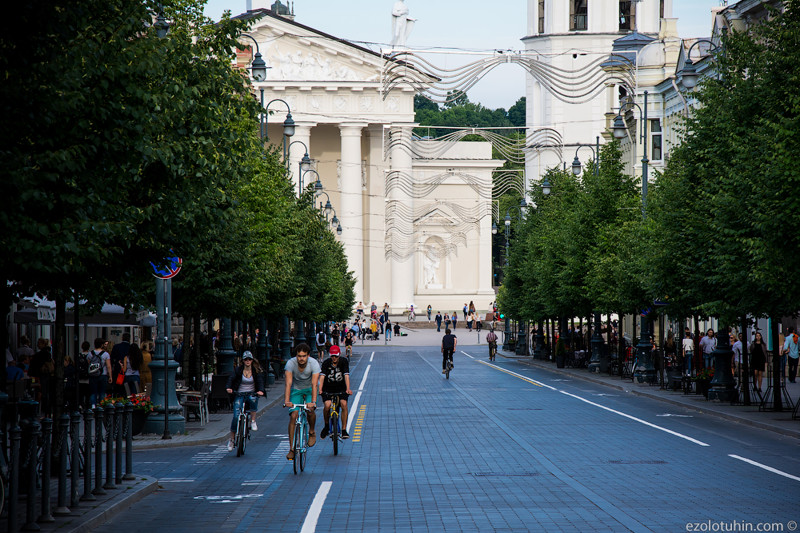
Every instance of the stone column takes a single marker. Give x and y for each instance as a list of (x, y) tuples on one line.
[(485, 279), (302, 133), (351, 204), (402, 267)]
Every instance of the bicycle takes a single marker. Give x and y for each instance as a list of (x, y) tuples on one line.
[(300, 440), (448, 355), (242, 425), (334, 428), (492, 350)]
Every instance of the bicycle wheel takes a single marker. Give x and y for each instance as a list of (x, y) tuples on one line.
[(297, 445), (447, 370), (240, 433), (303, 449), (335, 432)]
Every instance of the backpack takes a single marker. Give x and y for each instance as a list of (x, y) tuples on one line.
[(95, 364), (321, 338), (83, 366)]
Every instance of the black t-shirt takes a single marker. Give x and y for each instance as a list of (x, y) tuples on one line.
[(334, 375), (449, 342)]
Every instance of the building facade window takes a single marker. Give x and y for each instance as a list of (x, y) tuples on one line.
[(657, 140), (578, 15), (541, 16), (627, 15)]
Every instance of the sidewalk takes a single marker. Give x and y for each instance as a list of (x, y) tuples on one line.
[(778, 422)]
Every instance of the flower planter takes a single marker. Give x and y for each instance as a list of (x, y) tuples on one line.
[(702, 386), (138, 418)]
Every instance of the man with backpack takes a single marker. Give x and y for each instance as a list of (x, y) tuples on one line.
[(99, 372)]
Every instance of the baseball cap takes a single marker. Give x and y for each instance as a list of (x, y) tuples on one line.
[(247, 355), (335, 350)]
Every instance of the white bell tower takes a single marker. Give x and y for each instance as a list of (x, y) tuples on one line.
[(572, 35)]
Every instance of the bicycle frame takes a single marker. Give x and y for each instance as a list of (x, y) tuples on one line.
[(335, 429), (301, 435)]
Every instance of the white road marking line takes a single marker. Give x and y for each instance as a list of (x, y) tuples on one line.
[(765, 467), (520, 376), (690, 439), (371, 357), (468, 355), (176, 480), (364, 379), (310, 524), (351, 410)]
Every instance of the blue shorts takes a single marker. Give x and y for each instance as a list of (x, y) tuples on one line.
[(296, 397)]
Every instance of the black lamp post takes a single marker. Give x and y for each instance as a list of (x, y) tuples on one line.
[(689, 74), (304, 165), (326, 210), (645, 371), (597, 338), (507, 324)]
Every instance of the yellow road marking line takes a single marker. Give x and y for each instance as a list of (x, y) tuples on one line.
[(359, 424)]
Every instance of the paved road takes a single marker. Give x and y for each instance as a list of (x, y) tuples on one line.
[(498, 447)]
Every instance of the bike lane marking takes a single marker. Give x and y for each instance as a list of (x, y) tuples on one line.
[(371, 357), (310, 523), (352, 407), (520, 376), (468, 355), (765, 467), (631, 417), (359, 424)]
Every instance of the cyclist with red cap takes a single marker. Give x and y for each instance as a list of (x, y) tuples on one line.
[(334, 379)]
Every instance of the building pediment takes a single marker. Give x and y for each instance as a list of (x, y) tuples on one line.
[(298, 53)]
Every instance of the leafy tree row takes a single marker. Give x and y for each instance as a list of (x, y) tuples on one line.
[(120, 148), (723, 220), (461, 113)]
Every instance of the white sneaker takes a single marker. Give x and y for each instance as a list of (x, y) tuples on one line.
[(253, 426), (230, 445)]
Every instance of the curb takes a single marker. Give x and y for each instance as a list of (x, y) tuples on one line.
[(732, 418), (117, 505), (217, 439)]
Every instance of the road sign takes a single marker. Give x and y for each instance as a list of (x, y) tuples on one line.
[(170, 269)]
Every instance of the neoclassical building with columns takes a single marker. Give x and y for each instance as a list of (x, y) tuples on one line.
[(415, 214)]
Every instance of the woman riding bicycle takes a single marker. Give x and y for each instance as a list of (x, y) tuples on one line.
[(247, 381)]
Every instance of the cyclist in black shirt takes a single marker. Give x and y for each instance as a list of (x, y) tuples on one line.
[(449, 343), (335, 379)]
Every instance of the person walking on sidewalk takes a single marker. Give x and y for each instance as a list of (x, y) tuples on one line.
[(688, 351), (449, 343), (248, 382), (707, 345), (790, 350), (438, 320), (302, 375), (758, 359)]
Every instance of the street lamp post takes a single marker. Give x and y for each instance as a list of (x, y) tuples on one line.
[(597, 338), (507, 221), (644, 371)]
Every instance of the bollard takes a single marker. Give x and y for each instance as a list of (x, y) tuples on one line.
[(88, 435), (31, 430), (109, 427), (47, 436), (118, 412), (62, 453), (128, 443), (13, 483), (98, 452), (75, 458)]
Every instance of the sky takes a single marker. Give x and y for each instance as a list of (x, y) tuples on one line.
[(475, 25)]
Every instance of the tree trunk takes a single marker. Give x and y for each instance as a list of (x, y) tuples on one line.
[(59, 353), (197, 364), (745, 384), (186, 349), (777, 394)]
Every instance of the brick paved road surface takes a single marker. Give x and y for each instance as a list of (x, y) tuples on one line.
[(498, 447)]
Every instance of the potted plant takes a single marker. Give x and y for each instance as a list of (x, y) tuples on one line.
[(703, 381), (142, 406)]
